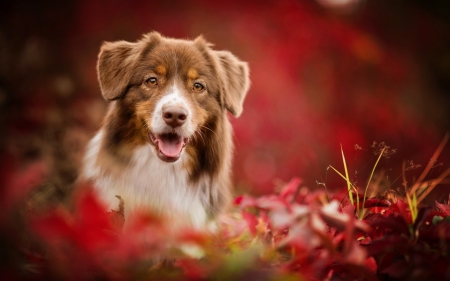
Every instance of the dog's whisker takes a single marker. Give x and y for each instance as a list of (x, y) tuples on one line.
[(200, 134), (209, 129)]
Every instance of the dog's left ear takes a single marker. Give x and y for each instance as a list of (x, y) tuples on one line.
[(234, 74)]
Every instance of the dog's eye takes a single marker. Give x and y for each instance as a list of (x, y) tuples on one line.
[(198, 87), (151, 81)]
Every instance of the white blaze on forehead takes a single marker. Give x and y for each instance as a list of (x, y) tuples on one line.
[(173, 97)]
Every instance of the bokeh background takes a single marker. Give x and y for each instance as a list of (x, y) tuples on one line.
[(324, 73)]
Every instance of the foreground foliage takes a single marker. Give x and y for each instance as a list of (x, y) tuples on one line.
[(296, 234)]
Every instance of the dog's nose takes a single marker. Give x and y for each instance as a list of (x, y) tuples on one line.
[(174, 116)]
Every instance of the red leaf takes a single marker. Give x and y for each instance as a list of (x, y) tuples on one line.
[(272, 202), (91, 213), (192, 269), (281, 219), (382, 224), (349, 209), (371, 264), (245, 201), (290, 188), (88, 227), (238, 200), (55, 225), (251, 220), (377, 210), (444, 208), (92, 223), (402, 208), (355, 254), (194, 236), (387, 244), (339, 220)]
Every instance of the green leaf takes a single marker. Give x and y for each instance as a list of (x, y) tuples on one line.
[(437, 219)]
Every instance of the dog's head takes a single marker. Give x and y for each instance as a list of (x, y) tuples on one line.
[(167, 90)]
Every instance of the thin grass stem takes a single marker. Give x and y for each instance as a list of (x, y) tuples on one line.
[(370, 178), (430, 163), (349, 184)]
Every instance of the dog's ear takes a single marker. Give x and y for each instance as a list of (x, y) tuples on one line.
[(234, 74), (116, 61)]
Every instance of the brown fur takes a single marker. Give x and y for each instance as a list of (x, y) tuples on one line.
[(123, 69)]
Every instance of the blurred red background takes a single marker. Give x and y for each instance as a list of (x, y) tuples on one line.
[(322, 75)]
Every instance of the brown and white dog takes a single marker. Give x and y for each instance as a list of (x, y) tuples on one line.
[(165, 145)]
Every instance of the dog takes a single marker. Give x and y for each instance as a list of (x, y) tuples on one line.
[(165, 145)]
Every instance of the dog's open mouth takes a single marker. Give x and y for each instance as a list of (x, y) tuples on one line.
[(168, 146)]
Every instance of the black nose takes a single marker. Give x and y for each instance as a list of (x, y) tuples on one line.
[(174, 116)]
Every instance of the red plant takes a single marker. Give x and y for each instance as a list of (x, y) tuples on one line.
[(295, 234)]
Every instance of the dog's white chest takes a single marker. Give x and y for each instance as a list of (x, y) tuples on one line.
[(147, 184)]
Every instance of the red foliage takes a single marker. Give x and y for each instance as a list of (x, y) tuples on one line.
[(320, 241), (325, 242), (445, 209), (272, 234)]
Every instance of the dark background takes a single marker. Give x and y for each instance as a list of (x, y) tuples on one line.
[(322, 75)]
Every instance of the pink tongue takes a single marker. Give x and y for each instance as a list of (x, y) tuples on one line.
[(170, 148)]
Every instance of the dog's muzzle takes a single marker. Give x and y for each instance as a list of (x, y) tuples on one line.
[(170, 145)]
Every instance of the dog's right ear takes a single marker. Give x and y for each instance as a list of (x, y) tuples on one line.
[(116, 61)]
